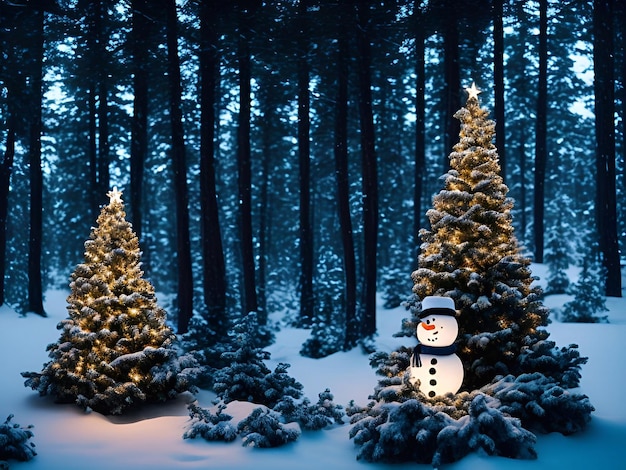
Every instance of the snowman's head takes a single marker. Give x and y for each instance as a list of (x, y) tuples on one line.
[(438, 326), (437, 330)]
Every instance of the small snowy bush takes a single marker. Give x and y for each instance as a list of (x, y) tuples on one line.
[(281, 411), (326, 339), (210, 426), (560, 364), (246, 377), (14, 441), (541, 404), (264, 428), (311, 417), (328, 330), (401, 424), (589, 301)]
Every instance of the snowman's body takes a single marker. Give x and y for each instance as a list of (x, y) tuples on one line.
[(434, 363)]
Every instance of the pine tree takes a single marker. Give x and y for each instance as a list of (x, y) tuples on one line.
[(589, 298), (116, 350), (328, 327), (557, 254), (471, 254), (246, 377)]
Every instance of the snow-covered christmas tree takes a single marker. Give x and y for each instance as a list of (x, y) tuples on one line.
[(116, 350), (471, 254), (515, 380)]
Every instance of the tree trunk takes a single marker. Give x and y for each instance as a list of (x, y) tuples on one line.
[(5, 180), (93, 149), (98, 108), (498, 78), (306, 232), (420, 124), (139, 124), (214, 266), (35, 282), (343, 184), (369, 170), (452, 76), (541, 132), (622, 22), (103, 137), (522, 203), (250, 301), (179, 165), (265, 202), (604, 89)]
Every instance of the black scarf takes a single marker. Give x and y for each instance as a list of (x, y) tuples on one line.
[(433, 350)]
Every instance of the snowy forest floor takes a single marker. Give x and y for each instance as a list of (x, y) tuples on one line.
[(151, 438)]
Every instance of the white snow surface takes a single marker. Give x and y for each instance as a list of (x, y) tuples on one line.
[(68, 438)]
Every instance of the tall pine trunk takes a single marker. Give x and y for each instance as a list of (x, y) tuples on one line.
[(35, 281), (541, 150), (369, 172), (343, 183), (6, 168), (604, 90), (98, 106), (139, 124), (306, 232), (214, 266), (522, 138), (420, 122), (452, 77), (250, 301), (267, 101), (179, 165), (622, 21), (498, 79)]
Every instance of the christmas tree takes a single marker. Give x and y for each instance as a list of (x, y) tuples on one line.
[(116, 350), (515, 380), (471, 255)]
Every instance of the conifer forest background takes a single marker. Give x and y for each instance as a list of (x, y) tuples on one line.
[(281, 155)]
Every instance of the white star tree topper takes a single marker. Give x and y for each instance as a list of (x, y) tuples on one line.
[(114, 196), (472, 92)]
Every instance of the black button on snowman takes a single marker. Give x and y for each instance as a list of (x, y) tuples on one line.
[(435, 367)]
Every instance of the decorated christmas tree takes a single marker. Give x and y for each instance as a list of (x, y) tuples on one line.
[(116, 350), (471, 254), (515, 381)]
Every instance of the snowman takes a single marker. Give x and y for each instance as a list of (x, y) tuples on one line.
[(435, 367)]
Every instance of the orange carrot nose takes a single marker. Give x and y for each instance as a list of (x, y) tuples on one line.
[(427, 327)]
